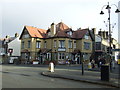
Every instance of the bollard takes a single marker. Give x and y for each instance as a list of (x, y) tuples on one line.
[(89, 66), (51, 67)]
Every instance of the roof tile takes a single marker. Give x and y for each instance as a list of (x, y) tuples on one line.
[(36, 32)]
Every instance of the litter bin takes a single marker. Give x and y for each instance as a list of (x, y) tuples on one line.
[(105, 72), (89, 66)]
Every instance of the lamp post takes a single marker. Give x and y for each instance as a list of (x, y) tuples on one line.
[(108, 7)]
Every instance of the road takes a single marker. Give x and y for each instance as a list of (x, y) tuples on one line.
[(30, 77)]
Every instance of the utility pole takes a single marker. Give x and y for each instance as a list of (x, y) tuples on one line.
[(108, 7)]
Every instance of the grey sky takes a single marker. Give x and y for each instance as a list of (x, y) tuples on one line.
[(41, 13)]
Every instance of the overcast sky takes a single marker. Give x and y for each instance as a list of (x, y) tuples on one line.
[(15, 14)]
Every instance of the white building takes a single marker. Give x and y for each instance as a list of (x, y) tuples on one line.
[(15, 47)]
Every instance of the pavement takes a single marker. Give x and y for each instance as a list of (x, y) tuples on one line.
[(89, 76)]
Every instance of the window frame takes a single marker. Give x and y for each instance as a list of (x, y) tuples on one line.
[(38, 44), (70, 44), (61, 56), (23, 45), (87, 46), (61, 43), (75, 44), (29, 43)]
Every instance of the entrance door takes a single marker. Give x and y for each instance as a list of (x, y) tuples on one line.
[(41, 59)]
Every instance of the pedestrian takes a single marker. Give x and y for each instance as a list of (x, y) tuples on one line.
[(93, 63), (103, 60), (66, 61), (98, 62)]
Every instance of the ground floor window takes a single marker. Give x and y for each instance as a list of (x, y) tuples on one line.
[(25, 55), (86, 56), (48, 56), (61, 56)]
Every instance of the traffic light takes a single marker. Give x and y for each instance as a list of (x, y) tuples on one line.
[(107, 49), (111, 50)]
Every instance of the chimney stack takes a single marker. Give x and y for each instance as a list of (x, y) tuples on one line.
[(53, 29), (7, 36), (106, 34), (16, 35), (94, 30)]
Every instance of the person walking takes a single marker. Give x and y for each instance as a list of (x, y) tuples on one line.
[(93, 63)]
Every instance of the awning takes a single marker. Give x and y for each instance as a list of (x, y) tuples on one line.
[(44, 50), (76, 51), (99, 51), (25, 50)]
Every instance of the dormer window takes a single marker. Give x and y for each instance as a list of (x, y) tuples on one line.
[(86, 36), (49, 33), (69, 33)]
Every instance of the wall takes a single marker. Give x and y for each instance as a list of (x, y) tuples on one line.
[(16, 46)]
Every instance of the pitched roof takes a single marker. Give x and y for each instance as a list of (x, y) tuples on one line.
[(61, 31), (61, 34), (79, 33), (35, 32), (44, 50), (62, 26), (8, 39)]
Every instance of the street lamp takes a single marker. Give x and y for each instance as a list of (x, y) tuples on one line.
[(108, 7)]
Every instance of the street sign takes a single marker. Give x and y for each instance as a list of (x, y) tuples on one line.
[(115, 50)]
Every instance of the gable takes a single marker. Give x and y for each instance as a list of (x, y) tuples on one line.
[(34, 32), (61, 26), (25, 34), (16, 40), (79, 34), (87, 36)]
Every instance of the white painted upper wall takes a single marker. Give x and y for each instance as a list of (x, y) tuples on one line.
[(15, 45)]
